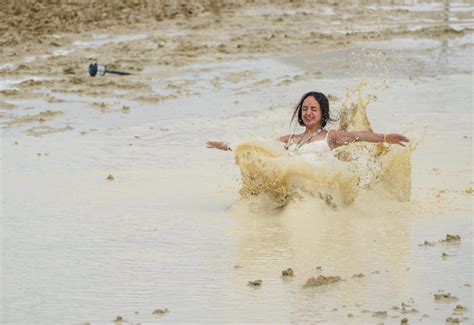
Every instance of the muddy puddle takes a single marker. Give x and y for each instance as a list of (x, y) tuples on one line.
[(168, 237)]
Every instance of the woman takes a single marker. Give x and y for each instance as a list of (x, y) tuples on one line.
[(313, 113)]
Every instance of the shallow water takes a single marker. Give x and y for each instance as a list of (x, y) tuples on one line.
[(169, 231), (160, 234)]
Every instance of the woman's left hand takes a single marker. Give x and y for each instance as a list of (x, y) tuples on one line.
[(395, 138), (218, 145)]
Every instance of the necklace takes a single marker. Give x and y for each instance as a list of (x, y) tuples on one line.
[(301, 143)]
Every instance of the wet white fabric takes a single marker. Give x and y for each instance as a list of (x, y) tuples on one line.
[(312, 151), (318, 147)]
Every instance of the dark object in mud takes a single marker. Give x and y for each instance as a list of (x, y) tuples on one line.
[(404, 321), (445, 297), (358, 275), (321, 280), (101, 70), (459, 309), (451, 239), (160, 311), (287, 272), (118, 319), (381, 314), (427, 243), (255, 283), (328, 199), (451, 320)]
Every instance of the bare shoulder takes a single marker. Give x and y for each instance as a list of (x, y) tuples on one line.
[(333, 134), (333, 137)]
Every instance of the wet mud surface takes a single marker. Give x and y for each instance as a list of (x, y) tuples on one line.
[(114, 209)]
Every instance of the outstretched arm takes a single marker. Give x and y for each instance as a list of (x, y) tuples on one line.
[(218, 145), (224, 146), (341, 138)]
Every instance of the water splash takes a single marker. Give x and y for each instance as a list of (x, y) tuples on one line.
[(270, 175)]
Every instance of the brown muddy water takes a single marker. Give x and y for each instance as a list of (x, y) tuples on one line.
[(169, 230)]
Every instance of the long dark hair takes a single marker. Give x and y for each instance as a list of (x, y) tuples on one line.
[(323, 103)]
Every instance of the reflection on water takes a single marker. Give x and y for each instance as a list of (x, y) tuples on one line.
[(314, 240)]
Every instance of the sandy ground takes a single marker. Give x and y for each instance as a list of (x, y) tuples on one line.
[(157, 240)]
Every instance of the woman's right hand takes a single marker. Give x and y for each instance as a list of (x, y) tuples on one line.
[(218, 145), (394, 138)]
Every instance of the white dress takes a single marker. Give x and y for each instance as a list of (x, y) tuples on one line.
[(312, 152)]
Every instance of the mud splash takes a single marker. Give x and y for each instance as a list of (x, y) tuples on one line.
[(270, 173)]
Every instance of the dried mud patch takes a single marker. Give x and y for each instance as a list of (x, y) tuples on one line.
[(451, 239), (40, 117), (321, 280), (39, 131), (444, 297), (6, 106)]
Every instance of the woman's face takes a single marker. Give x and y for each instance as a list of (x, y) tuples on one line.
[(311, 112)]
